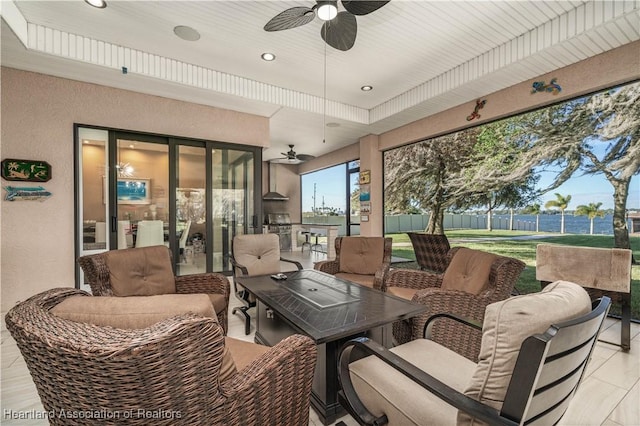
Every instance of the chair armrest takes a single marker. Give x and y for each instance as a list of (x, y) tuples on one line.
[(412, 278), (208, 283), (328, 266), (298, 264), (253, 389), (350, 400), (381, 276), (466, 321), (242, 268)]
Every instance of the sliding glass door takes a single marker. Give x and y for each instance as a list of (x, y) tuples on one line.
[(136, 190)]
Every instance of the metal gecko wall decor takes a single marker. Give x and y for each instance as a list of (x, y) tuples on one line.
[(479, 105), (553, 87)]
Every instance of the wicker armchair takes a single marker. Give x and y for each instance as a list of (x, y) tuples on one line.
[(139, 272), (431, 251), (425, 288), (165, 374), (363, 260)]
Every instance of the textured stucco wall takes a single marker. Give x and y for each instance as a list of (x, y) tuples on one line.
[(38, 113)]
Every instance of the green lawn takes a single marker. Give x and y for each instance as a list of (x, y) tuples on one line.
[(525, 250)]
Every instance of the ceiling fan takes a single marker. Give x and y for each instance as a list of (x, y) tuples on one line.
[(291, 157), (339, 29)]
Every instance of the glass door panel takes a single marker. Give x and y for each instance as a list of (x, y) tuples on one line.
[(354, 203), (232, 201), (191, 224), (142, 190)]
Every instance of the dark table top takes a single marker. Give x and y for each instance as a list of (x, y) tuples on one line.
[(327, 308)]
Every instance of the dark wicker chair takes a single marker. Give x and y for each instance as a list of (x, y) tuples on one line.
[(431, 251), (215, 285), (378, 270), (166, 374), (535, 352), (425, 288)]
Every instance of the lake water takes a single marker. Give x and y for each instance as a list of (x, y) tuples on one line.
[(551, 223)]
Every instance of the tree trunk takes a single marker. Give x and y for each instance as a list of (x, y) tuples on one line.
[(489, 224), (436, 221), (511, 219), (591, 226), (620, 230), (537, 223), (562, 221)]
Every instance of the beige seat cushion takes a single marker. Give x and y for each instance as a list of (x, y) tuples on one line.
[(507, 324), (403, 292), (243, 352), (361, 255), (468, 271), (385, 390), (259, 253), (219, 301), (140, 312), (132, 312), (141, 271), (365, 280)]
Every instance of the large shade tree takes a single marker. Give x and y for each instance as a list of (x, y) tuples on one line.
[(597, 134), (422, 175)]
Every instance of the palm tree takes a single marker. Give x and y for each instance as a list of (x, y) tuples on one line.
[(591, 211), (561, 202), (535, 210)]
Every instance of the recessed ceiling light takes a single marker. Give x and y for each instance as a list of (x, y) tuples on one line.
[(327, 10), (186, 33), (100, 4), (366, 88), (332, 124), (268, 56)]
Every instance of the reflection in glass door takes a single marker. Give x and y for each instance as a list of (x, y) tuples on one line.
[(191, 223), (353, 180), (141, 193)]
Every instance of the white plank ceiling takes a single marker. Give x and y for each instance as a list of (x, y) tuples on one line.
[(421, 57)]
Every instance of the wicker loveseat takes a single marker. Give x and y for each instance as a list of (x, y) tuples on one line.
[(147, 271), (174, 372)]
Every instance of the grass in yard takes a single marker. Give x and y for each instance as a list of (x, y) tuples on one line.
[(497, 242)]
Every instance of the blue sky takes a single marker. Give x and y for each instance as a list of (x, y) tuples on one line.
[(589, 189)]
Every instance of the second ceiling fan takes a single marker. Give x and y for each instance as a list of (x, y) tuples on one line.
[(339, 29), (291, 157)]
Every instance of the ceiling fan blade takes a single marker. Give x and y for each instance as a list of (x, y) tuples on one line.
[(290, 18), (305, 157), (340, 32), (362, 7)]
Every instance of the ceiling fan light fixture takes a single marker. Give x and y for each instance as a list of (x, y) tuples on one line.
[(327, 9)]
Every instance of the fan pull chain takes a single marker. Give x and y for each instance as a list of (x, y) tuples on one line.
[(324, 111)]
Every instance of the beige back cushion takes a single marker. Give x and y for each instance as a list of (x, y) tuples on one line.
[(507, 324), (138, 312), (259, 253), (468, 271), (601, 268), (142, 271), (361, 255)]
